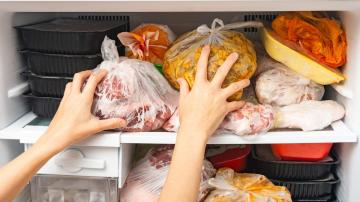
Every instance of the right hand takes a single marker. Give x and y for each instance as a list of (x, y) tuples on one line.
[(204, 107)]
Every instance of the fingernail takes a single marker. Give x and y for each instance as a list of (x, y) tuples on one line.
[(234, 55)]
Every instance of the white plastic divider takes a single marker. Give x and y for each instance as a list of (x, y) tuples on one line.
[(338, 132)]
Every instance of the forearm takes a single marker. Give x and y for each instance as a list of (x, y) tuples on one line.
[(15, 175), (183, 180)]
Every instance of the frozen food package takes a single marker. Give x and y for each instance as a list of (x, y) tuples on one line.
[(263, 60), (230, 186), (147, 179), (282, 86), (248, 120), (148, 42), (133, 90), (309, 115), (181, 59), (314, 34)]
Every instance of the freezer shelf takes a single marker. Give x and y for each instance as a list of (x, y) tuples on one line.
[(28, 134)]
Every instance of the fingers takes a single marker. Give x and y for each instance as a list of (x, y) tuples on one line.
[(235, 87), (67, 91), (224, 69), (184, 87), (113, 123), (232, 106), (93, 81), (201, 68), (79, 79)]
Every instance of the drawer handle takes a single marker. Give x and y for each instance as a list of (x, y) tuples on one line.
[(73, 160)]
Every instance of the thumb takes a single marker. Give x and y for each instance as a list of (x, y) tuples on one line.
[(184, 87), (114, 123)]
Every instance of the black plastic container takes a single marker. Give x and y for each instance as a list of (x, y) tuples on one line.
[(309, 189), (70, 35), (44, 107), (328, 198), (59, 64), (47, 86), (292, 170)]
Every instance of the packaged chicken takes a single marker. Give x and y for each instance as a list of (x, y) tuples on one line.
[(282, 86), (245, 187), (309, 115), (248, 120), (147, 179), (181, 59), (147, 42), (133, 90), (315, 44)]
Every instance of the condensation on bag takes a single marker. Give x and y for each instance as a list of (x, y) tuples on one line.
[(133, 90)]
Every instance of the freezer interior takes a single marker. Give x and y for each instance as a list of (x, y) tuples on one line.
[(13, 106)]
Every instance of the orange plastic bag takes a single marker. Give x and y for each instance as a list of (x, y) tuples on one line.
[(147, 42), (317, 36)]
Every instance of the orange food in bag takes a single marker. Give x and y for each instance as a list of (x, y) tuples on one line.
[(317, 36), (147, 42)]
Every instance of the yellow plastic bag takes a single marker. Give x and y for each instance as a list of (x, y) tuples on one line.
[(181, 59), (245, 187)]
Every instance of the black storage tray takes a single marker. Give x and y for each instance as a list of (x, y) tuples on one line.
[(293, 170), (47, 86), (70, 35), (328, 198), (309, 189), (44, 107), (59, 64)]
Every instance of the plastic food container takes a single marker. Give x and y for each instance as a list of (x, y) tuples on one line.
[(328, 198), (302, 152), (59, 64), (235, 158), (68, 188), (309, 189), (70, 35), (47, 86), (44, 107), (291, 170)]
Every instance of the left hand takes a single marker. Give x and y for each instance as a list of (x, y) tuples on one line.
[(73, 120)]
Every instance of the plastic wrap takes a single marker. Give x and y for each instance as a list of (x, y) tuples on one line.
[(309, 115), (133, 90), (147, 179), (250, 119), (245, 187), (282, 86), (181, 59), (148, 42)]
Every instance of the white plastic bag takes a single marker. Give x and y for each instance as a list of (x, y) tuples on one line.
[(147, 179), (133, 90)]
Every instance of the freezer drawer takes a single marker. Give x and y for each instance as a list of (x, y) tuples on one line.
[(84, 161), (75, 189)]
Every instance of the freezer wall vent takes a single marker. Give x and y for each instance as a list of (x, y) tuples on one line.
[(263, 17), (122, 18)]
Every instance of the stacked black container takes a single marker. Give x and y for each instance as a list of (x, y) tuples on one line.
[(307, 181), (55, 50)]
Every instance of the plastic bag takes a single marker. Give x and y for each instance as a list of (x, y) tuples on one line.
[(245, 187), (282, 86), (309, 115), (181, 59), (147, 42), (133, 90), (248, 120), (147, 179), (316, 35)]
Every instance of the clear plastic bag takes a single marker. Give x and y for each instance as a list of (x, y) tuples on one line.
[(282, 86), (181, 59), (147, 42), (248, 120), (245, 187), (133, 90), (147, 179)]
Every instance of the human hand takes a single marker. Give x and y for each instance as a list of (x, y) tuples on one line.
[(73, 120), (203, 108)]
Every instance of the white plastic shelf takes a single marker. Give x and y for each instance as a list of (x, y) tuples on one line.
[(338, 132), (28, 134)]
